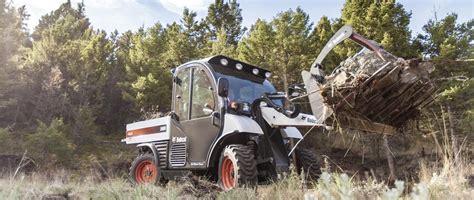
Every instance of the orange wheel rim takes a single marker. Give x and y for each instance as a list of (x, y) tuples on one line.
[(146, 172), (227, 174)]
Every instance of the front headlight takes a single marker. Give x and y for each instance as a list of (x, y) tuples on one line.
[(246, 107), (240, 108), (234, 105)]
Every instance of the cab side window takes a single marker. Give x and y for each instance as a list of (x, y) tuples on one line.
[(181, 103), (203, 102)]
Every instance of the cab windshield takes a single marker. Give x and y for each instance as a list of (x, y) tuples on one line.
[(243, 90)]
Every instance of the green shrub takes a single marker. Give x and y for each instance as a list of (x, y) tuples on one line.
[(84, 129), (50, 144), (6, 142)]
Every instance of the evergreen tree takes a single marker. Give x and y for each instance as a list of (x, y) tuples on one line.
[(180, 47), (385, 22), (291, 51), (147, 81), (227, 16), (221, 47), (13, 35), (67, 71), (258, 46), (196, 32), (446, 39), (91, 83), (318, 39), (65, 10), (449, 45)]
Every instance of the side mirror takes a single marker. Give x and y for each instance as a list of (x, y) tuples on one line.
[(223, 87)]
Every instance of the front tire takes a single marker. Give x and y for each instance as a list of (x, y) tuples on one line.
[(307, 162), (237, 167), (144, 170)]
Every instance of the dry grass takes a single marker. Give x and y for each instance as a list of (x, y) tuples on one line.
[(446, 179), (63, 187), (446, 182)]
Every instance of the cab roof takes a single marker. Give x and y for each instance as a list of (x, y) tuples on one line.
[(229, 66)]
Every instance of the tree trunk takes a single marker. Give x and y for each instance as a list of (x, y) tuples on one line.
[(452, 134), (285, 82)]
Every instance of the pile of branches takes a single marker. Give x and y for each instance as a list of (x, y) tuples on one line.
[(387, 90)]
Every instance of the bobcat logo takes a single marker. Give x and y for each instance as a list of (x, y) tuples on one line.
[(178, 139)]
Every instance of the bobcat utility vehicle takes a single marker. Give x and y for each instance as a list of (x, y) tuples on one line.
[(228, 122)]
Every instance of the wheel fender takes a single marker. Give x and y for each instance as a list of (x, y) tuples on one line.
[(237, 123), (152, 148), (230, 138), (233, 125)]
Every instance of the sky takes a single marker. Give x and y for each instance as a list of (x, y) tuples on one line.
[(126, 15)]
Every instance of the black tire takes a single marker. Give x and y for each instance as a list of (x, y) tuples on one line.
[(144, 170), (307, 162), (243, 172)]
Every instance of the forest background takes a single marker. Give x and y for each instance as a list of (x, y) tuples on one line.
[(67, 89)]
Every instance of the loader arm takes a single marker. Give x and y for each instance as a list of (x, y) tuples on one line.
[(341, 35)]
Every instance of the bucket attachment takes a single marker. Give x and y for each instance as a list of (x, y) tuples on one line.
[(372, 91)]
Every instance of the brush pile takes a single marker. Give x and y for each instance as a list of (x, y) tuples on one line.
[(388, 91)]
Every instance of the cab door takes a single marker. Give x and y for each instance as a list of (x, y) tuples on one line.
[(195, 103)]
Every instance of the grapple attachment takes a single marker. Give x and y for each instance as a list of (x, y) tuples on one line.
[(371, 91)]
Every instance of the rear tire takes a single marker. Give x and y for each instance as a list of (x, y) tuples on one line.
[(144, 170), (237, 167), (307, 162)]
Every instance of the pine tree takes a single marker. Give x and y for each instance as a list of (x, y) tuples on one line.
[(114, 110), (13, 35), (221, 47), (180, 46), (283, 46), (293, 51), (258, 46), (147, 58), (447, 39), (196, 33), (385, 22), (65, 10), (319, 37), (225, 16), (449, 45), (67, 71)]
